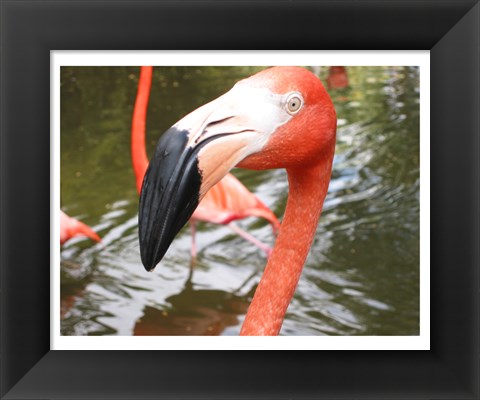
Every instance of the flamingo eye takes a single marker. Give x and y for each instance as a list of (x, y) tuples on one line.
[(294, 103)]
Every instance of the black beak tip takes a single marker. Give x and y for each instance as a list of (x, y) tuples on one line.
[(148, 264), (150, 254), (148, 268), (169, 196)]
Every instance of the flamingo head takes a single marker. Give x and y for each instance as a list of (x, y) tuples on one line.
[(281, 117)]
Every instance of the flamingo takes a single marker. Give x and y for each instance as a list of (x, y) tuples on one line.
[(70, 227), (337, 78), (225, 202), (281, 117)]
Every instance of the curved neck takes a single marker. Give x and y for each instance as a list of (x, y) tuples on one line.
[(307, 191), (139, 152)]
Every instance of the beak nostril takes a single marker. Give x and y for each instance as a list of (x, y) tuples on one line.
[(211, 124), (219, 121)]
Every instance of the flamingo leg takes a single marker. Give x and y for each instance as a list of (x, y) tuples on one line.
[(265, 248)]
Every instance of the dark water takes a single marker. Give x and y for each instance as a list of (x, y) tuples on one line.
[(362, 274)]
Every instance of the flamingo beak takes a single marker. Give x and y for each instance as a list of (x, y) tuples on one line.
[(195, 154)]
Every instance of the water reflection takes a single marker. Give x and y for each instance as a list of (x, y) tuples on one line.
[(195, 311), (362, 274)]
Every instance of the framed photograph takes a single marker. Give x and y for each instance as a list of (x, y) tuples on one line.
[(392, 264), (202, 287)]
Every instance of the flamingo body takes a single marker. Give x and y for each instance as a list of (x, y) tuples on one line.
[(281, 117), (230, 200)]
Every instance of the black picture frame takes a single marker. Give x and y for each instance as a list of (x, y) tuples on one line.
[(30, 29)]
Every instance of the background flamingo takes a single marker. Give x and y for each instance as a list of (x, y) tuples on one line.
[(227, 201), (70, 227), (337, 77), (280, 117)]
